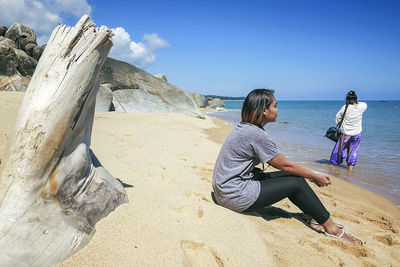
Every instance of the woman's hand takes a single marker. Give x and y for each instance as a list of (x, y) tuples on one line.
[(321, 180), (282, 163)]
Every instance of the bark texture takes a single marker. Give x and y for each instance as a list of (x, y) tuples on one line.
[(53, 190)]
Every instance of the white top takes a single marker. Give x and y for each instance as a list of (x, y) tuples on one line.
[(352, 123)]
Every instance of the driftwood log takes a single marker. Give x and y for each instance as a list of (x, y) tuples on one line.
[(53, 189)]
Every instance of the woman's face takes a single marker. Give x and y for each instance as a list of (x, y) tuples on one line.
[(271, 112)]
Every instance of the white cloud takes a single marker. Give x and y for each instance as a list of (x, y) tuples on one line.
[(44, 15), (154, 42), (140, 54), (41, 15), (74, 7)]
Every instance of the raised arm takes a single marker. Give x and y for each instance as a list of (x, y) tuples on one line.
[(282, 163)]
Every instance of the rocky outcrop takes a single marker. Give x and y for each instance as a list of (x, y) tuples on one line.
[(25, 39), (216, 102), (161, 76), (8, 58), (21, 35), (26, 64), (104, 99), (35, 51), (207, 102), (3, 30), (199, 99), (136, 100), (19, 55), (157, 94)]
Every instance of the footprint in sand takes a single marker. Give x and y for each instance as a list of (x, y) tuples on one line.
[(318, 247), (355, 249), (199, 254), (206, 173), (200, 213), (207, 179), (387, 240), (197, 196), (384, 224), (190, 210)]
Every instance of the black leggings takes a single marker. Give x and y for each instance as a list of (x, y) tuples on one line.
[(279, 185)]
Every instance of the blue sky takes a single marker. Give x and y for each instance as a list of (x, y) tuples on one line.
[(305, 50)]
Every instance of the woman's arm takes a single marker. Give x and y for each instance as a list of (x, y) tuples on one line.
[(339, 115), (282, 163)]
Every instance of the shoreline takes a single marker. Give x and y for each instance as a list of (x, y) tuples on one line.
[(365, 175), (166, 162)]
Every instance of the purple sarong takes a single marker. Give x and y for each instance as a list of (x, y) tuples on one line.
[(346, 148)]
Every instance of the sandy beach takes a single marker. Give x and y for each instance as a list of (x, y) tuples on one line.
[(165, 162)]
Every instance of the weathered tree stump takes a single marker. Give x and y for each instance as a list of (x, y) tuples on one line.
[(53, 190)]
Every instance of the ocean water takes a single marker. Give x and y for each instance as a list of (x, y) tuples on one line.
[(299, 133)]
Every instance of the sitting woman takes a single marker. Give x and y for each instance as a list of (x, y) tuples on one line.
[(237, 184)]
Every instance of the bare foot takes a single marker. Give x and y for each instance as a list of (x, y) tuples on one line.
[(342, 235), (316, 226), (351, 168), (332, 230), (349, 237)]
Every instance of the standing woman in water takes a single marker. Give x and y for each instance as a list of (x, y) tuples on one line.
[(349, 142), (240, 187)]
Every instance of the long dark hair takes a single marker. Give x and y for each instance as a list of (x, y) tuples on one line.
[(255, 104), (351, 98)]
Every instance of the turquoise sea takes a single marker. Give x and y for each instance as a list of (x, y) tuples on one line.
[(299, 132)]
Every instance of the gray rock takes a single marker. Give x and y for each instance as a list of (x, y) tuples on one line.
[(152, 95), (21, 35), (199, 99), (8, 60), (38, 51), (3, 30), (26, 64), (121, 75), (29, 48), (161, 76), (104, 99), (13, 60), (7, 42), (216, 103), (136, 100)]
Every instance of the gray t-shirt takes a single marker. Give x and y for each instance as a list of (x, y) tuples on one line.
[(245, 147)]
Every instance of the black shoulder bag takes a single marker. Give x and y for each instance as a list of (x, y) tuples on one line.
[(333, 133)]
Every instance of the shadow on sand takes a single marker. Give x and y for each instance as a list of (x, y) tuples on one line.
[(124, 184), (271, 213)]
